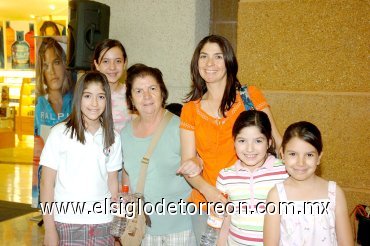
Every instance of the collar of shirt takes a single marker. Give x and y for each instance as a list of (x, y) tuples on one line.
[(269, 163), (93, 137)]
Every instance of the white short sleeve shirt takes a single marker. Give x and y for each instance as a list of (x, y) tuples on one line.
[(82, 175)]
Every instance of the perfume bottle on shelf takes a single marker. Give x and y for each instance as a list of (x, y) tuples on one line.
[(20, 52), (30, 39), (10, 38)]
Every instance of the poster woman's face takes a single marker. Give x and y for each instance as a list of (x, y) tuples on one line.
[(54, 70)]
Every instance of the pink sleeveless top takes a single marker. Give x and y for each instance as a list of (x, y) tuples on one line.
[(119, 109), (311, 223)]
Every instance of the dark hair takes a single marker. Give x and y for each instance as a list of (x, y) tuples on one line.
[(258, 119), (47, 24), (104, 46), (141, 70), (199, 87), (305, 131), (75, 122), (50, 43), (174, 108)]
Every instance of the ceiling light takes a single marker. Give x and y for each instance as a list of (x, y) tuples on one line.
[(52, 6)]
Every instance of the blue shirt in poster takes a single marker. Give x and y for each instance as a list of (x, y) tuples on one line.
[(45, 115)]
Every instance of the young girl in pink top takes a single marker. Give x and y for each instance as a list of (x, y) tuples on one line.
[(323, 221), (110, 58), (248, 181)]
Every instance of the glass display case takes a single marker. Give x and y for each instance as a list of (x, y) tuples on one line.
[(17, 79), (7, 126), (25, 118), (18, 101)]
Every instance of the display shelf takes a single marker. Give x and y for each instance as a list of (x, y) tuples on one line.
[(21, 87), (25, 118), (14, 80), (9, 73), (7, 126)]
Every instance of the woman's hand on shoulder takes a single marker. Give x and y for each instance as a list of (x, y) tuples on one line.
[(191, 167)]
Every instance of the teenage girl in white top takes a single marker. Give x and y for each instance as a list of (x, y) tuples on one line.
[(80, 161)]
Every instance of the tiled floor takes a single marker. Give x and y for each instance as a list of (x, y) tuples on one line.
[(15, 186)]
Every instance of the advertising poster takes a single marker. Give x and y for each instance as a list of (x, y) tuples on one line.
[(53, 96)]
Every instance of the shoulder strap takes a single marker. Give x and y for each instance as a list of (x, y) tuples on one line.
[(248, 104), (145, 161), (281, 192), (332, 187)]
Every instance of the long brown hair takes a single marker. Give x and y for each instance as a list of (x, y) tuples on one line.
[(51, 24), (199, 87), (75, 122), (50, 43)]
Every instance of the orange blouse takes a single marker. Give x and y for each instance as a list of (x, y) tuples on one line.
[(213, 137)]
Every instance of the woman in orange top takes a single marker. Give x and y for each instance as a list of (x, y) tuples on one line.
[(207, 119)]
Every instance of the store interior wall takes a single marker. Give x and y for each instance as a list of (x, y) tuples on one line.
[(224, 19), (161, 34), (311, 61)]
